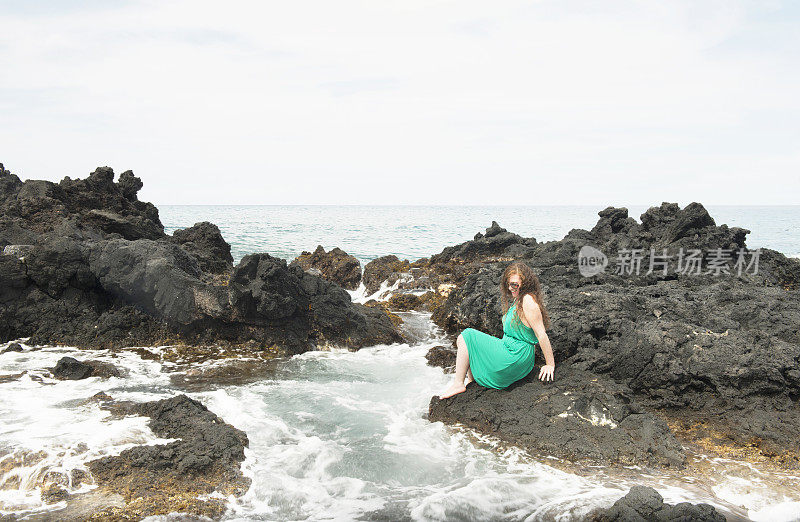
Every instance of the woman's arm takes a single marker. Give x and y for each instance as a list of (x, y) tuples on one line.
[(534, 316)]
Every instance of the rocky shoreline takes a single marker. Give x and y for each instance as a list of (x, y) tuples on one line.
[(711, 355), (87, 264), (644, 362)]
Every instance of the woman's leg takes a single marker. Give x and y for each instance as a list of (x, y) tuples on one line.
[(462, 367)]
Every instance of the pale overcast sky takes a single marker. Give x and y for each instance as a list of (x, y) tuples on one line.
[(409, 102)]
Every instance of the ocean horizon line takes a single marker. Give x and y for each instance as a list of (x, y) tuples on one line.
[(559, 205)]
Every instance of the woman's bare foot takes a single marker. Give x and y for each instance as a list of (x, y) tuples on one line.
[(454, 389)]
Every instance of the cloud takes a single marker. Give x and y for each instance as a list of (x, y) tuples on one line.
[(409, 102)]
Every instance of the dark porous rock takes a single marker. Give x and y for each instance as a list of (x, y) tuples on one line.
[(385, 268), (262, 289), (484, 247), (68, 368), (100, 397), (97, 203), (336, 266), (404, 302), (578, 416), (384, 306), (117, 292), (265, 292), (105, 369), (666, 226), (112, 207), (13, 347), (443, 357), (431, 300), (234, 372), (612, 221), (438, 275), (128, 227), (58, 264), (153, 478), (53, 493), (474, 304), (129, 185), (18, 251), (101, 273), (158, 277), (710, 353), (718, 352), (644, 504), (204, 241)]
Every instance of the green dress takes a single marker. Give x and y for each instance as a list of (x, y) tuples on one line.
[(496, 363)]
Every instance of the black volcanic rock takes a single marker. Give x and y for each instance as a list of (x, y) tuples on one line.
[(204, 241), (578, 416), (95, 207), (442, 357), (718, 350), (643, 504), (337, 266), (129, 185), (264, 291), (69, 368), (13, 347), (385, 268), (496, 242), (158, 277), (89, 265), (152, 478)]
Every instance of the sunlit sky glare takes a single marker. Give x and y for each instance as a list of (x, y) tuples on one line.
[(409, 102)]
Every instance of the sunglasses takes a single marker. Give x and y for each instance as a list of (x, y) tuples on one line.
[(513, 285)]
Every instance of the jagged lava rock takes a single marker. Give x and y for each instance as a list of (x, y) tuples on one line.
[(643, 504), (336, 266), (718, 350), (98, 271), (579, 417)]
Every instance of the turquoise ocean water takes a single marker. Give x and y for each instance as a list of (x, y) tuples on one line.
[(412, 232)]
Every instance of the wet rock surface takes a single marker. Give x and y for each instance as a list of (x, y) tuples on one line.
[(645, 504), (69, 368), (12, 347), (159, 479), (443, 357), (232, 372), (598, 422), (90, 266)]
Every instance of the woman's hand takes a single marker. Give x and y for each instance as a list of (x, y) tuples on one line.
[(547, 371)]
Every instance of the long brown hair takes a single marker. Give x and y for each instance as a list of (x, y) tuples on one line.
[(529, 284)]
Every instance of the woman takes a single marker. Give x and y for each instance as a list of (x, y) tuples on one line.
[(496, 363)]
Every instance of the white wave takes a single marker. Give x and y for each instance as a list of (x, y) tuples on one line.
[(342, 435), (785, 511), (383, 293), (49, 427)]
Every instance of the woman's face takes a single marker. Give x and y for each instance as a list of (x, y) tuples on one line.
[(514, 282)]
